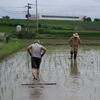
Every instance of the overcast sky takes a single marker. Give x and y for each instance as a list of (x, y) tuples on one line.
[(17, 9)]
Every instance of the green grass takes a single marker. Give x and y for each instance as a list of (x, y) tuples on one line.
[(6, 29), (13, 45), (51, 28), (53, 25)]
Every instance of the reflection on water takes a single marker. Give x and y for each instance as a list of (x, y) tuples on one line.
[(76, 79), (74, 68), (13, 71), (36, 93)]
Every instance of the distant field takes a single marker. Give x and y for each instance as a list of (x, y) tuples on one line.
[(54, 28)]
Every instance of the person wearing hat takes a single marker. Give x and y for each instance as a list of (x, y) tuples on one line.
[(36, 51), (74, 43)]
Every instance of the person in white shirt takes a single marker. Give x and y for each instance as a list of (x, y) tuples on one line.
[(36, 52)]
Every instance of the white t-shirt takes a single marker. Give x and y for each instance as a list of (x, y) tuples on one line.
[(36, 50)]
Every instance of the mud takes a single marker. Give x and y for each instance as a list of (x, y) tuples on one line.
[(75, 79)]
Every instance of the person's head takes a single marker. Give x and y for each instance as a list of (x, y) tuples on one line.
[(37, 41), (76, 35)]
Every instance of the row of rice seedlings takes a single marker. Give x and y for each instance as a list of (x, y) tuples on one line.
[(16, 77), (52, 64), (49, 62), (2, 90), (60, 62), (60, 65), (19, 63), (91, 68), (12, 93), (55, 64)]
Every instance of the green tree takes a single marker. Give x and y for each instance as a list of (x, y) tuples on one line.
[(5, 17), (96, 19), (88, 19)]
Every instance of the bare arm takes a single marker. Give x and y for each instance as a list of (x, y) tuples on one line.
[(44, 51), (28, 49)]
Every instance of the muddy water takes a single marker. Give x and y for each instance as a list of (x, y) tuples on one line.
[(76, 79)]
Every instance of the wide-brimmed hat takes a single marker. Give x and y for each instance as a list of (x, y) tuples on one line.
[(36, 41), (75, 35)]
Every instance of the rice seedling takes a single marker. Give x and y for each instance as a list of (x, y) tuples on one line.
[(12, 93), (5, 87), (2, 90)]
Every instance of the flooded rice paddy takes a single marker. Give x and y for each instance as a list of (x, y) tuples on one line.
[(76, 79)]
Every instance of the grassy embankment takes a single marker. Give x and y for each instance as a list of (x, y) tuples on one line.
[(55, 29), (52, 28), (50, 32), (13, 45)]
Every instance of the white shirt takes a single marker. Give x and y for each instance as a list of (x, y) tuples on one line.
[(36, 50)]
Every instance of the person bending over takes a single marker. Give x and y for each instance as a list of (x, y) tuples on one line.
[(36, 51)]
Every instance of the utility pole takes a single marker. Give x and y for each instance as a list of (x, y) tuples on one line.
[(27, 16), (36, 18)]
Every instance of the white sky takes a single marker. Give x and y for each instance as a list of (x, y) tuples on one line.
[(17, 9)]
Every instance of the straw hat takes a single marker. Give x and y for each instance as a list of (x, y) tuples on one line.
[(75, 35)]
